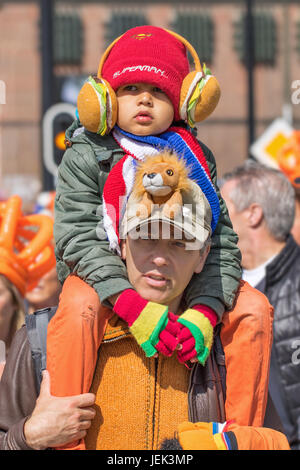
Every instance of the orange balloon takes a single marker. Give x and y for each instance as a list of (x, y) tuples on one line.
[(288, 159), (11, 213), (26, 250), (42, 238), (43, 264)]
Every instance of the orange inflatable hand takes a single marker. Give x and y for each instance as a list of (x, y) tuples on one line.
[(288, 159), (26, 251)]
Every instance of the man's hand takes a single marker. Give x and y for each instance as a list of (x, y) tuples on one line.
[(56, 421)]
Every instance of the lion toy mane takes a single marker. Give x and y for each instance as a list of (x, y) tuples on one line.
[(160, 180)]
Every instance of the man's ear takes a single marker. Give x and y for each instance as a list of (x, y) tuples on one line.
[(123, 250), (255, 215), (202, 258)]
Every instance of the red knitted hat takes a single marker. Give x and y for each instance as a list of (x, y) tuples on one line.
[(151, 55)]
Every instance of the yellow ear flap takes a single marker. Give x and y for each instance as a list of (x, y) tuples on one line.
[(111, 106), (88, 107), (97, 106), (200, 95), (208, 99), (188, 85)]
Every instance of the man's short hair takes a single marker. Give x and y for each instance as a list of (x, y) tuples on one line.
[(268, 187)]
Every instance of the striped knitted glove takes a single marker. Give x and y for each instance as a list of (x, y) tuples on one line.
[(153, 328), (168, 338), (196, 335)]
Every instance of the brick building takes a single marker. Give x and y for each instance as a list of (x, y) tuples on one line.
[(218, 39)]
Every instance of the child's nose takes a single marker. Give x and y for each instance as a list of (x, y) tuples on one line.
[(145, 98)]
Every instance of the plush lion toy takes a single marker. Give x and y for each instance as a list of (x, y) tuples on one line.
[(161, 180)]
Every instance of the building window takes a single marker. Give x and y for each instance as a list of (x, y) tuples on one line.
[(264, 38), (198, 29), (67, 39), (120, 22)]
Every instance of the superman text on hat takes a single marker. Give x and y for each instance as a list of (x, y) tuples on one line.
[(142, 68)]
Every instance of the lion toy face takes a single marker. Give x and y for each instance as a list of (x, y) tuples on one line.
[(161, 175), (161, 179)]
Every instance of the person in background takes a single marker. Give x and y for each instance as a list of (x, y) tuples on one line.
[(12, 315), (296, 227), (26, 255), (261, 204), (47, 290), (288, 159), (27, 187), (45, 293), (45, 203)]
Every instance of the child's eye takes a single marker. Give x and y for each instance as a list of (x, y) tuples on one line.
[(130, 88), (157, 90)]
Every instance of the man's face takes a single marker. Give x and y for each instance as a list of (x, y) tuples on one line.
[(238, 219), (144, 109), (160, 269)]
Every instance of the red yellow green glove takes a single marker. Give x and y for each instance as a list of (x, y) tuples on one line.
[(154, 328), (196, 335), (168, 337)]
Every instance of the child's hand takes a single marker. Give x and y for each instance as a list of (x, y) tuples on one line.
[(196, 335), (152, 326), (168, 338)]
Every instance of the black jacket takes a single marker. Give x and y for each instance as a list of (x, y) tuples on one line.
[(282, 287)]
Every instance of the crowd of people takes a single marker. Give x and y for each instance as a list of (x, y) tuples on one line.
[(171, 305)]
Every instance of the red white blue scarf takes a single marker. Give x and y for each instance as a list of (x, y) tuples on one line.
[(120, 180)]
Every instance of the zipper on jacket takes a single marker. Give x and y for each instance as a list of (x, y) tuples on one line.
[(117, 338), (191, 411)]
